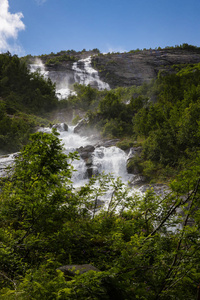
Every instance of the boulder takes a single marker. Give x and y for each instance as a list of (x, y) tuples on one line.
[(92, 171), (81, 126), (65, 127), (131, 165), (61, 126), (134, 151), (138, 181), (86, 152), (107, 143), (72, 270), (159, 189)]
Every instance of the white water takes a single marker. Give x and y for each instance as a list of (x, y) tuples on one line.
[(108, 160), (85, 74), (81, 72), (6, 161), (104, 159), (111, 160), (38, 66)]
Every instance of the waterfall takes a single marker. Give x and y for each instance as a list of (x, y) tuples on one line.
[(111, 160), (80, 72), (104, 159), (85, 74)]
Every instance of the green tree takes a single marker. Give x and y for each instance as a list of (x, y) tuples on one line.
[(37, 198)]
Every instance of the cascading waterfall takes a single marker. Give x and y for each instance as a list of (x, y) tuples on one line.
[(80, 72), (104, 159), (111, 160), (85, 74), (39, 66), (108, 160)]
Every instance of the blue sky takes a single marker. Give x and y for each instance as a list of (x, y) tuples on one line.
[(44, 26)]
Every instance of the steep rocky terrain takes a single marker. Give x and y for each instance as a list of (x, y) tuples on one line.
[(137, 67), (122, 69)]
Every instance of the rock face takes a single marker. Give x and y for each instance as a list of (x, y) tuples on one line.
[(127, 69), (119, 69)]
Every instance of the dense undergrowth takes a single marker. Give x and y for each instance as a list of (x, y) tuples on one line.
[(144, 247)]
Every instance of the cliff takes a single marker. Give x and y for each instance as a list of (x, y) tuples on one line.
[(137, 67), (120, 69)]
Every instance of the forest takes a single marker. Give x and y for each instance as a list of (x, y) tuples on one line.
[(142, 246)]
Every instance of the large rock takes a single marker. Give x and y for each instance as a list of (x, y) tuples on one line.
[(138, 181), (132, 166), (159, 189), (72, 270), (86, 152), (81, 127), (107, 143), (61, 126)]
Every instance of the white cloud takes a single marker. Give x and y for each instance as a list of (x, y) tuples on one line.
[(10, 25)]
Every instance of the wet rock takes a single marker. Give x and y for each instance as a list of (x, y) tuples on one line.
[(160, 189), (88, 161), (108, 143), (65, 126), (138, 181), (132, 165), (92, 171), (61, 126), (72, 270), (86, 152), (134, 151), (81, 126)]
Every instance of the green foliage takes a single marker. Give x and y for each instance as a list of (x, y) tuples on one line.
[(57, 60), (21, 94), (24, 91), (125, 144), (145, 247)]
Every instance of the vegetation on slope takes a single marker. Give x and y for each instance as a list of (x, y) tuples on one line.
[(144, 247), (23, 97), (162, 115)]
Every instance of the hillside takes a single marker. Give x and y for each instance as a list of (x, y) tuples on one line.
[(137, 67), (60, 242), (125, 69)]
